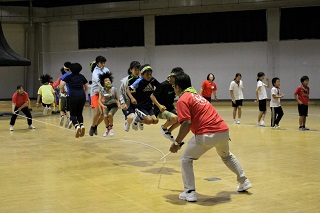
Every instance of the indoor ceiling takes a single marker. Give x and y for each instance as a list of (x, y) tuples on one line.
[(54, 3)]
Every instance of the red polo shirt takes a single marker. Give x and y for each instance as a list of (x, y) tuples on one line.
[(20, 99)]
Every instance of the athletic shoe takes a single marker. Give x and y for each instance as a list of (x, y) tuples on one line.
[(140, 114), (135, 125), (70, 125), (262, 123), (191, 197), (244, 186), (67, 123), (45, 111), (78, 131), (141, 126), (238, 122), (111, 132), (91, 131), (167, 134), (83, 131), (126, 126), (96, 130), (61, 120), (105, 133), (305, 128), (301, 129), (234, 122), (49, 111), (11, 128), (31, 127)]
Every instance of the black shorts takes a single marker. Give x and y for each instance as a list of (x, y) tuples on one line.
[(238, 103), (303, 110), (130, 110), (263, 105)]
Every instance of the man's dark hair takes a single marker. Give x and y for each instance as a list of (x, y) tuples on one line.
[(183, 81)]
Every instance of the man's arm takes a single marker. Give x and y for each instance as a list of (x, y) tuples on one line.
[(183, 131)]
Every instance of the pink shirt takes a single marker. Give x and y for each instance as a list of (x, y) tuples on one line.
[(204, 117)]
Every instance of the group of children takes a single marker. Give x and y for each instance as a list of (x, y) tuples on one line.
[(143, 99)]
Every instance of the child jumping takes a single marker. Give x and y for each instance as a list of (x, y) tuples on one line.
[(46, 93), (109, 100)]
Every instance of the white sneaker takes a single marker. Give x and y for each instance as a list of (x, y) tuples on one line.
[(78, 131), (11, 128), (105, 133), (234, 122), (111, 132), (167, 134), (45, 111), (191, 197), (135, 126), (141, 127), (244, 186), (140, 114), (262, 123), (126, 126), (69, 125), (83, 130), (238, 122), (61, 120), (31, 127), (49, 111)]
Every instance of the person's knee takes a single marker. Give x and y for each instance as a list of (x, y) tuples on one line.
[(155, 121), (174, 119)]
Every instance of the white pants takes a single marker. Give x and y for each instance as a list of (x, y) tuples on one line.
[(200, 144)]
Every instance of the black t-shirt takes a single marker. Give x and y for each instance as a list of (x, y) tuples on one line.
[(165, 95), (143, 92), (76, 82)]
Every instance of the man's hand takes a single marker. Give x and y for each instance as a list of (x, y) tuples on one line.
[(174, 148)]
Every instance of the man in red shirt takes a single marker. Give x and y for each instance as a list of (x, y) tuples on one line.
[(302, 96), (210, 130), (20, 103)]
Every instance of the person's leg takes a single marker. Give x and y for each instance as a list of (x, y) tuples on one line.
[(13, 117), (239, 112), (234, 113), (171, 119), (273, 116), (27, 113), (279, 112), (229, 159)]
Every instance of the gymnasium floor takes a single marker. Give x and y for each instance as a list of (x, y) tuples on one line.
[(49, 170)]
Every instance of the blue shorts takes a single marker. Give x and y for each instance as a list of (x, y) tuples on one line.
[(130, 110)]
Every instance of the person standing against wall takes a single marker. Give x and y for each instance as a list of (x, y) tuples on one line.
[(236, 92), (208, 87)]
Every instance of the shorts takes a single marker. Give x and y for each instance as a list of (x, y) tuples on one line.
[(112, 111), (238, 103), (263, 105), (207, 98), (95, 101), (167, 114), (303, 110), (147, 112), (130, 110)]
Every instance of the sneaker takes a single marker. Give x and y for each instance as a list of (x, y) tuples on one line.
[(61, 120), (49, 111), (140, 114), (191, 197), (262, 123), (167, 134), (31, 127), (105, 133), (126, 126), (11, 128), (96, 130), (83, 131), (234, 122), (135, 126), (69, 125), (141, 127), (238, 122), (111, 132), (244, 186), (78, 131), (91, 131), (305, 128), (301, 129), (45, 111)]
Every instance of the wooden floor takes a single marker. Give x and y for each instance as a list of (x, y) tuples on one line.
[(49, 170)]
